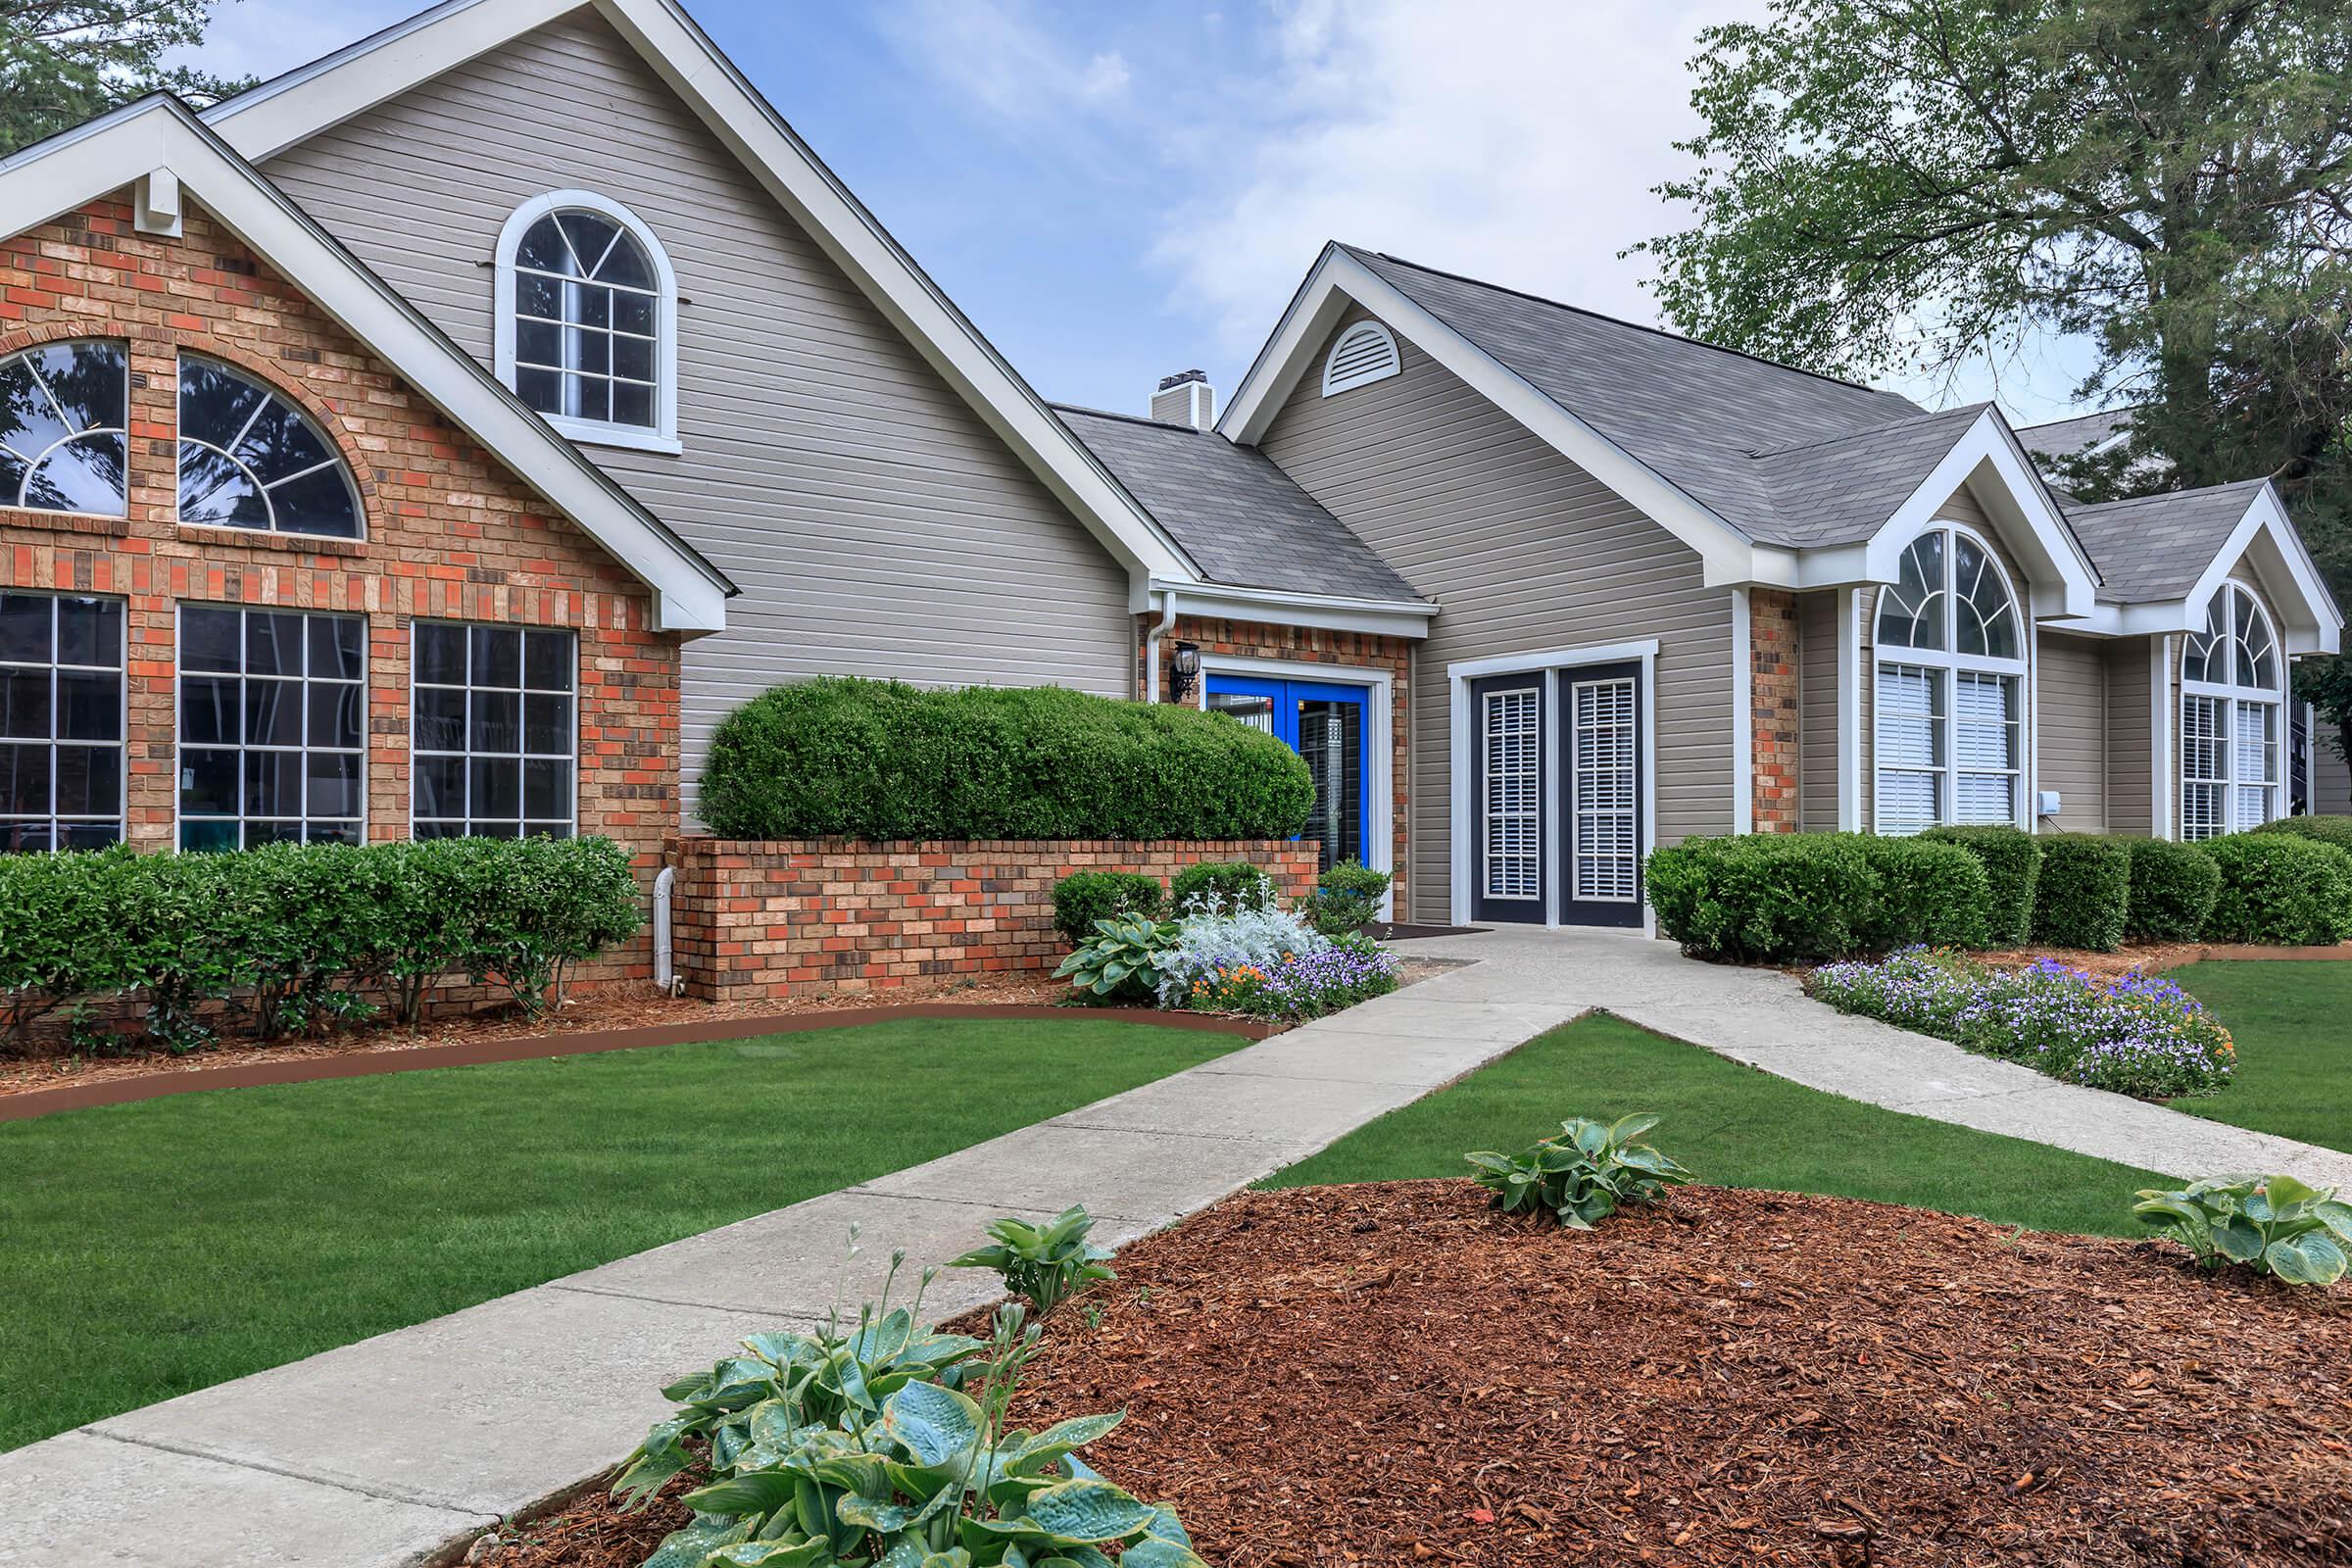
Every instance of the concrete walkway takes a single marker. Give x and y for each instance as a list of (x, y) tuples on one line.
[(395, 1450)]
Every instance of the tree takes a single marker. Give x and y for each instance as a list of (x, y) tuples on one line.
[(64, 61)]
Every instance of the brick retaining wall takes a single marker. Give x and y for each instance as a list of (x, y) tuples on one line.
[(772, 919)]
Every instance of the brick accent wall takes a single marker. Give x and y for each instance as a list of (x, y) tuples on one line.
[(1344, 651), (1774, 697), (450, 533), (775, 918)]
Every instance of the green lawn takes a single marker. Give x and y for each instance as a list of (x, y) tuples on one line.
[(1736, 1127), (2293, 1027), (157, 1247)]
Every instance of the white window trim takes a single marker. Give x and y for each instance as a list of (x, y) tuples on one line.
[(578, 716), (179, 672), (32, 463), (2234, 695), (663, 434), (1359, 333), (272, 393), (121, 742), (1949, 663)]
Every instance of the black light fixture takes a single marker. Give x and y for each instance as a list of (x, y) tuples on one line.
[(1184, 672)]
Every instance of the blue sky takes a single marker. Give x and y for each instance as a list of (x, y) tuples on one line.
[(1117, 191)]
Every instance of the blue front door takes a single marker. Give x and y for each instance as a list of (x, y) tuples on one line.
[(1324, 722)]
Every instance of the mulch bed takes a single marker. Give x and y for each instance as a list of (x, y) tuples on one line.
[(1392, 1373)]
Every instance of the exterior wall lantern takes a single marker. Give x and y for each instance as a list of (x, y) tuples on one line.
[(1184, 673)]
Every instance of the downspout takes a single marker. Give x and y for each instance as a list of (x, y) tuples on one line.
[(1167, 624), (665, 974)]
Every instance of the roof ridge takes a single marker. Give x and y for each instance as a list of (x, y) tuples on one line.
[(2077, 418), (2172, 494), (1619, 321), (1130, 418), (1973, 410)]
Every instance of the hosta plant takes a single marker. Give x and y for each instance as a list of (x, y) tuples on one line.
[(2274, 1225), (813, 1467), (1583, 1176), (1121, 959), (1043, 1265)]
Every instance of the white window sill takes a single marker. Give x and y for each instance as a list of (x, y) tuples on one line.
[(633, 438)]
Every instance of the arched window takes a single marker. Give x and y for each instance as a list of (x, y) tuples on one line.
[(2232, 696), (1948, 734), (62, 445), (1365, 352), (249, 457), (587, 310)]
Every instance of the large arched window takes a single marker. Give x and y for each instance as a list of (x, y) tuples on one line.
[(2232, 697), (63, 441), (1949, 734), (587, 312), (249, 457)]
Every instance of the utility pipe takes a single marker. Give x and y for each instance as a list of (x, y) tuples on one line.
[(665, 974), (1167, 623)]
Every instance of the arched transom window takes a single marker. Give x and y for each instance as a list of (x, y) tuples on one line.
[(2232, 694), (63, 444), (587, 319), (1952, 664), (249, 457)]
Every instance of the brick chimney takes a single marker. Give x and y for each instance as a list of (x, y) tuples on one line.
[(1184, 398)]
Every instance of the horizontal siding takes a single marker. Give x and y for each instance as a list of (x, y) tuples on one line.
[(2331, 783), (2073, 731), (1817, 706), (1524, 552), (2130, 735), (876, 525)]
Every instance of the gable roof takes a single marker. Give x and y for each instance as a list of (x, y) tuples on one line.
[(2071, 438), (161, 141), (1843, 488), (298, 104), (2158, 547), (1242, 520)]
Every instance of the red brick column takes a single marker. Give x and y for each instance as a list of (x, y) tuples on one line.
[(1773, 707)]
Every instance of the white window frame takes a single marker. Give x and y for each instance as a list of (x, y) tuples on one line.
[(120, 744), (2240, 699), (523, 691), (32, 461), (271, 395), (663, 435), (1945, 665), (180, 743), (1362, 331)]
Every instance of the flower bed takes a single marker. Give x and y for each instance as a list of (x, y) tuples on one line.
[(2132, 1033)]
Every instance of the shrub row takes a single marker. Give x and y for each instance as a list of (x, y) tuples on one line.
[(882, 759), (294, 937), (1793, 897), (1346, 896)]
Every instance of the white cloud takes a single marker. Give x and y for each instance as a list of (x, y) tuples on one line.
[(1000, 57)]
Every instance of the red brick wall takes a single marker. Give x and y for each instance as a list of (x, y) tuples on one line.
[(1305, 645), (450, 533), (1773, 698), (772, 919)]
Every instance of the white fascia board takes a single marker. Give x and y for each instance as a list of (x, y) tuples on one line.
[(1381, 617), (2267, 540), (1727, 556), (2063, 581), (689, 595)]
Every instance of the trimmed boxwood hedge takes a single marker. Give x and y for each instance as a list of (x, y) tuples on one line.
[(2173, 889), (2083, 898), (840, 757), (2336, 830), (1782, 897), (2281, 888), (2012, 867)]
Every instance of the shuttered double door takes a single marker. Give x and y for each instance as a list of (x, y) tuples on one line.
[(1556, 758)]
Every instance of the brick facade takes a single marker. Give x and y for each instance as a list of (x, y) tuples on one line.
[(775, 918), (1345, 652), (1773, 707), (448, 532)]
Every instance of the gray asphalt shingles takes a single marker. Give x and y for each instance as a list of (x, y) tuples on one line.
[(2157, 547)]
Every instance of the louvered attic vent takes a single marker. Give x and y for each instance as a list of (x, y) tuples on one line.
[(1364, 353)]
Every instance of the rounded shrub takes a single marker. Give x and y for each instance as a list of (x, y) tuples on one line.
[(1764, 897), (2085, 893), (840, 757), (2012, 861), (1235, 884), (1930, 894), (2173, 889), (2336, 830), (2279, 888), (1084, 897)]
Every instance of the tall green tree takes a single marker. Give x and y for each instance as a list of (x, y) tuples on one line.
[(1887, 187), (63, 61)]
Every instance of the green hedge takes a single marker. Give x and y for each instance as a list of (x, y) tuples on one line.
[(1782, 897), (294, 937), (2280, 887), (1233, 884), (2084, 897), (2173, 889), (882, 759), (2336, 830), (1084, 897), (2012, 860)]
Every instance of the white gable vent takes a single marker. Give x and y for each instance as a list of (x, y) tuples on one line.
[(1364, 353)]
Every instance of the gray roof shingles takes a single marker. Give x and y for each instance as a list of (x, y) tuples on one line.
[(1828, 491), (2066, 438), (2157, 547), (1243, 521)]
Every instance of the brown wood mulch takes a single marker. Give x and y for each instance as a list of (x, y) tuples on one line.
[(1392, 1373)]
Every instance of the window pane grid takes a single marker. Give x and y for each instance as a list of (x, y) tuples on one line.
[(273, 728), (2230, 736), (586, 321), (61, 723), (493, 731), (1948, 738), (1514, 805)]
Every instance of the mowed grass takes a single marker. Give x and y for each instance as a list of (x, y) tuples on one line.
[(2293, 1027), (152, 1249), (1732, 1126)]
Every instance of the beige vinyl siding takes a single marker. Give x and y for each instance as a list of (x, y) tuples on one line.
[(2071, 734), (1818, 689), (2131, 734), (2331, 780), (875, 523), (1524, 552)]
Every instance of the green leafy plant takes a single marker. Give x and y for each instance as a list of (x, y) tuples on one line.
[(2084, 894), (1043, 1265), (2012, 861), (558, 901), (2336, 830), (1347, 898), (2279, 888), (1230, 886), (2274, 1225), (1084, 897), (1583, 1176), (1783, 898), (2172, 890), (1121, 959), (1927, 894)]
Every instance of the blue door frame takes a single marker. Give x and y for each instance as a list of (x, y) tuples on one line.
[(1287, 697)]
